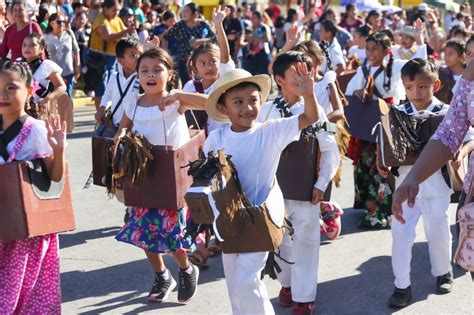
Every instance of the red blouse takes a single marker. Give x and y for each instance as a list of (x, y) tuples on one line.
[(13, 39)]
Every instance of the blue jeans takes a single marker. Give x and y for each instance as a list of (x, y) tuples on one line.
[(69, 80)]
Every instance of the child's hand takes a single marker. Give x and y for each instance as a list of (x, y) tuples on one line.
[(419, 29), (456, 161), (303, 79), (168, 100), (407, 191), (219, 15), (292, 36), (56, 133), (153, 43), (317, 196), (44, 105), (100, 114)]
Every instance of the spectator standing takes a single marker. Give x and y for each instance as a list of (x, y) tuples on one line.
[(15, 33), (351, 21), (234, 29), (135, 5), (259, 54)]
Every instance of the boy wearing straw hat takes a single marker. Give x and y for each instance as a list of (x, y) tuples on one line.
[(255, 150), (299, 280), (412, 45)]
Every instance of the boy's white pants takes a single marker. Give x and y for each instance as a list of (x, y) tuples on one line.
[(303, 250), (435, 215), (248, 294)]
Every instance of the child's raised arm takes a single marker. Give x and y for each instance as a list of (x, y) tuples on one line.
[(56, 164), (304, 84), (218, 17), (187, 101)]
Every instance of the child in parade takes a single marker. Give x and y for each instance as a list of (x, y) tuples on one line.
[(411, 45), (430, 199), (29, 268), (455, 60), (207, 62), (299, 280), (327, 33), (49, 87), (357, 52), (123, 84), (159, 116), (372, 192), (237, 99)]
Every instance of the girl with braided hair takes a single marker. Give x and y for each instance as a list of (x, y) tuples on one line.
[(29, 267), (327, 33), (372, 192)]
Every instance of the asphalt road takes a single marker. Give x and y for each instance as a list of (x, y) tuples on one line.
[(101, 275)]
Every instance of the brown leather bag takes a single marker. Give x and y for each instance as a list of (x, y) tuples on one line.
[(216, 193), (167, 181), (102, 154), (31, 204), (344, 78), (299, 161), (362, 117)]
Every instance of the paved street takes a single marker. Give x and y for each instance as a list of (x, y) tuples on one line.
[(101, 275)]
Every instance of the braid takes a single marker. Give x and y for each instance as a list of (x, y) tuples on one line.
[(325, 48), (388, 73)]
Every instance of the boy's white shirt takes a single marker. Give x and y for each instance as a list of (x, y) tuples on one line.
[(435, 186), (330, 155), (421, 51), (397, 91), (112, 96)]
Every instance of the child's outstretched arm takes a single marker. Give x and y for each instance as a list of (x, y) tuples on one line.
[(218, 17), (59, 89), (186, 100), (56, 164), (304, 82)]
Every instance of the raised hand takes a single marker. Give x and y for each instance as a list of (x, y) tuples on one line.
[(292, 35), (56, 133), (419, 30), (303, 79), (220, 14), (153, 43)]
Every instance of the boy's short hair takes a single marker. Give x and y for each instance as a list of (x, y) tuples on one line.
[(419, 66), (240, 86), (457, 44), (284, 62), (124, 44)]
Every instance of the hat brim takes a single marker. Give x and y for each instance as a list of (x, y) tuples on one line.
[(263, 81)]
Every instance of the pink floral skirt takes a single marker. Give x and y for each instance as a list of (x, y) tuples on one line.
[(29, 276)]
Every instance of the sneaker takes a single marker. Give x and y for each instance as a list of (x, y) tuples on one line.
[(304, 308), (161, 288), (285, 299), (400, 297), (187, 284), (444, 283)]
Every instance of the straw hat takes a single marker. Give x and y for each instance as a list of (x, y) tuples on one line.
[(228, 81), (408, 30)]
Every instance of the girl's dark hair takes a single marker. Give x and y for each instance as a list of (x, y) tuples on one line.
[(310, 47), (384, 41), (279, 22), (39, 38), (389, 34), (168, 14), (364, 31), (371, 14), (52, 18), (257, 14), (325, 48), (457, 44), (349, 7), (290, 15), (284, 61), (330, 27), (42, 13), (201, 49), (240, 86), (23, 71), (193, 7), (109, 4), (325, 14), (163, 57)]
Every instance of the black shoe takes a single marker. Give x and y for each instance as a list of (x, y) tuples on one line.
[(126, 217), (400, 298), (161, 288), (444, 283), (187, 284)]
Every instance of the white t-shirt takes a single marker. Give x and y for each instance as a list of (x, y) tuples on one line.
[(255, 152), (396, 90), (330, 155), (322, 93), (336, 55), (190, 88), (36, 144), (359, 52), (112, 93), (41, 75), (153, 123)]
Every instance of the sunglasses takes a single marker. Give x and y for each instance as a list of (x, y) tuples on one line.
[(59, 22)]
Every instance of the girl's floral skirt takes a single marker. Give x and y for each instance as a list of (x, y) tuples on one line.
[(29, 276), (157, 230)]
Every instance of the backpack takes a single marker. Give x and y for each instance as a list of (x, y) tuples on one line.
[(464, 255)]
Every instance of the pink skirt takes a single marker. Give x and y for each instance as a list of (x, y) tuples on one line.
[(29, 276)]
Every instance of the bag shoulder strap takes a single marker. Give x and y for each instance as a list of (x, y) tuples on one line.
[(9, 134), (198, 86), (122, 95), (408, 108)]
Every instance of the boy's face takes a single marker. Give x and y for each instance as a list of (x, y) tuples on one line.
[(421, 90), (407, 41), (130, 58), (242, 107)]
